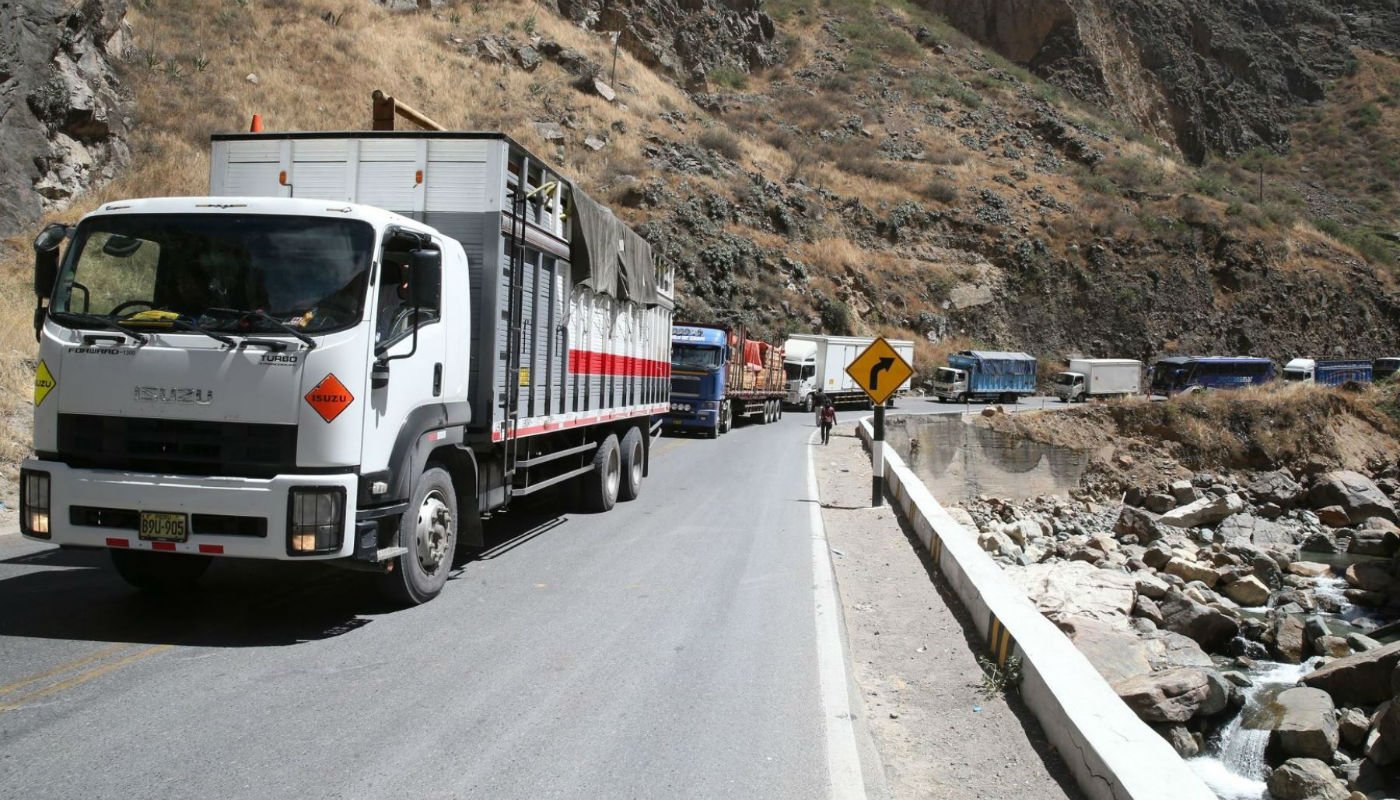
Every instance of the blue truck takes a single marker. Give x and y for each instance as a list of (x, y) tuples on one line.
[(985, 375), (1180, 374), (1328, 371), (718, 375)]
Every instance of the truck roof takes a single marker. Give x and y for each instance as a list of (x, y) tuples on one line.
[(1213, 359), (285, 206), (996, 355), (1107, 362)]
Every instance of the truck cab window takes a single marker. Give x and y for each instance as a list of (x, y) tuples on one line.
[(396, 316)]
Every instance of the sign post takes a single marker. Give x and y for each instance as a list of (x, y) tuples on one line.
[(880, 371)]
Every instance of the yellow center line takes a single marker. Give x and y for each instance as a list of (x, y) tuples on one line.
[(64, 667), (83, 677)]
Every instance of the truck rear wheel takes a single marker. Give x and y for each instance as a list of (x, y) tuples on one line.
[(159, 572), (428, 529), (633, 464), (600, 486)]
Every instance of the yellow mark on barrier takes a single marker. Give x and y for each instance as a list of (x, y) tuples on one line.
[(935, 549), (999, 641), (82, 677)]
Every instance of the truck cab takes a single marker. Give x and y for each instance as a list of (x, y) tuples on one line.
[(1069, 386), (800, 372), (950, 383), (1300, 370), (1385, 368), (699, 360)]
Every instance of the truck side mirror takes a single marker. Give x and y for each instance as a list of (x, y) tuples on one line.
[(46, 255), (425, 278)]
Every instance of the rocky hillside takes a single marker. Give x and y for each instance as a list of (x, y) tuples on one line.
[(62, 112), (842, 165)]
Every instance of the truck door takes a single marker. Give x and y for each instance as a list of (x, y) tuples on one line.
[(409, 342)]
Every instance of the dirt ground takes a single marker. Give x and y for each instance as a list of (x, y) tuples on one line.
[(914, 655)]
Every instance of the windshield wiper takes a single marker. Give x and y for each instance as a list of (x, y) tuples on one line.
[(263, 316), (98, 321), (185, 325)]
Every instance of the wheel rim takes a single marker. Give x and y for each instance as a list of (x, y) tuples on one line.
[(614, 473), (434, 531), (637, 464)]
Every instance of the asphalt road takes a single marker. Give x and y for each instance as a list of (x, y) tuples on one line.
[(664, 649)]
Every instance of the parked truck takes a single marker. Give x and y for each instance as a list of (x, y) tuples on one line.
[(816, 363), (1385, 368), (1098, 377), (1328, 371), (985, 375), (358, 345), (718, 374)]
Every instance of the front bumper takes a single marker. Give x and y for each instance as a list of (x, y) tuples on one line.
[(75, 493)]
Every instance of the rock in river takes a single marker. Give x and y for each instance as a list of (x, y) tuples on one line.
[(1362, 679), (1307, 723), (1354, 492), (1172, 696), (1076, 589), (1211, 628), (1206, 511), (1306, 779)]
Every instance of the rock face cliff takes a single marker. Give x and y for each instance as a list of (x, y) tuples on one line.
[(1207, 75), (684, 40), (61, 109)]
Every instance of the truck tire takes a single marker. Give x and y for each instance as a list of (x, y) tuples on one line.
[(428, 528), (159, 572), (809, 405), (600, 486), (766, 415), (726, 417), (633, 465)]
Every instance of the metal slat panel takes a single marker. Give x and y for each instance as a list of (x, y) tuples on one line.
[(251, 179), (320, 150), (458, 149), (320, 180), (387, 184), (259, 151), (372, 149), (455, 186)]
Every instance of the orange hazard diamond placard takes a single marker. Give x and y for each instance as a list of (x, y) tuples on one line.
[(329, 397)]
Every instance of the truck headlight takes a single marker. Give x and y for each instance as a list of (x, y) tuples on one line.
[(315, 519), (34, 503), (710, 405)]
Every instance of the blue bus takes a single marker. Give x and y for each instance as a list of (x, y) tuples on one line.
[(1193, 373)]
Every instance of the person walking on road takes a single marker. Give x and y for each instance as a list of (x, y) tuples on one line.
[(819, 402), (828, 419)]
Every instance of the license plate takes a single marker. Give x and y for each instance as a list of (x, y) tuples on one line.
[(159, 526)]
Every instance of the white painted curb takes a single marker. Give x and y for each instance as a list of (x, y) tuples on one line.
[(1113, 754)]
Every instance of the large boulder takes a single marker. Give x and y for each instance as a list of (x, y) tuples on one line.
[(1114, 652), (1209, 627), (1278, 488), (1369, 576), (1172, 696), (1307, 723), (1371, 542), (1290, 642), (1355, 493), (1383, 743), (1306, 779), (1168, 649), (1192, 571), (1362, 679), (1262, 532), (1065, 589), (1139, 523), (1206, 511), (1248, 591), (1022, 531)]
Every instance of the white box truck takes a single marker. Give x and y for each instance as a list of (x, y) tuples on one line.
[(1098, 377), (813, 362), (354, 348)]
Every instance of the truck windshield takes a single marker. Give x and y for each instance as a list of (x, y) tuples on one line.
[(1295, 375), (944, 375), (689, 356), (798, 372), (309, 273), (1064, 378)]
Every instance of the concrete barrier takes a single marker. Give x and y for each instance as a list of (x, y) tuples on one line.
[(1111, 752)]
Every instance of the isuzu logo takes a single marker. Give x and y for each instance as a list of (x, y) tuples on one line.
[(178, 394)]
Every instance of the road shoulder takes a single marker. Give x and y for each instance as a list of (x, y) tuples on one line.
[(913, 663)]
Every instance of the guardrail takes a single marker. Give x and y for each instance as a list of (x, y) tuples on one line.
[(1112, 754)]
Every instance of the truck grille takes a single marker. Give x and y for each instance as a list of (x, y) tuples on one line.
[(139, 444), (685, 385)]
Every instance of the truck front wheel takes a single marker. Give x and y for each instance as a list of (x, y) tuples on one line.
[(428, 529), (600, 486), (159, 572), (810, 404), (633, 465), (726, 417)]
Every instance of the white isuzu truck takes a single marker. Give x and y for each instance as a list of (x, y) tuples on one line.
[(358, 345), (816, 364)]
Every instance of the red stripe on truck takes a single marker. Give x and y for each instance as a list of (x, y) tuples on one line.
[(592, 362)]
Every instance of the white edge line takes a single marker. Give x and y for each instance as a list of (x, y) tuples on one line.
[(842, 758)]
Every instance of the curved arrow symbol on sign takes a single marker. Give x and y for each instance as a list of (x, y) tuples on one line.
[(882, 365)]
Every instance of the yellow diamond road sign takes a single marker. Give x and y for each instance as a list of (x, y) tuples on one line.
[(43, 383), (880, 371)]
